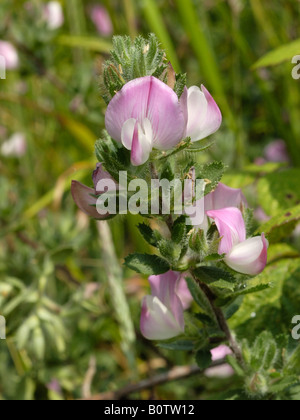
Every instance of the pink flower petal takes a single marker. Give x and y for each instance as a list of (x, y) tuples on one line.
[(157, 321), (102, 20), (231, 227), (10, 55), (183, 293), (224, 197), (164, 288), (204, 115), (249, 257), (220, 352), (147, 98), (83, 197), (100, 175)]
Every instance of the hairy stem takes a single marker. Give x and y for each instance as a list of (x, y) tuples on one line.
[(222, 321)]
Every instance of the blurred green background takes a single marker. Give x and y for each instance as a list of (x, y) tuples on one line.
[(67, 337)]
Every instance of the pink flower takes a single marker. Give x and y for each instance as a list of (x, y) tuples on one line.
[(102, 20), (277, 152), (146, 114), (10, 55), (220, 353), (85, 197), (183, 292), (15, 146), (222, 197), (54, 15), (246, 256), (204, 115), (162, 312), (224, 371)]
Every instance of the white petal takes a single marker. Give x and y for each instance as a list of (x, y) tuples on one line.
[(248, 257), (127, 133)]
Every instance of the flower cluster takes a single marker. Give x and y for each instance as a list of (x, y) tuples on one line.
[(147, 116)]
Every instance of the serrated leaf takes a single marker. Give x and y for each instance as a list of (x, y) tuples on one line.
[(213, 274), (147, 264), (212, 173), (255, 289), (150, 236), (224, 285), (179, 231)]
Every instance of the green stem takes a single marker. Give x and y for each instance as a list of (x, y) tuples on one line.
[(115, 280), (223, 325)]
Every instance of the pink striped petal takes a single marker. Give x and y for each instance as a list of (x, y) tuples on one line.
[(231, 227), (204, 115), (249, 257)]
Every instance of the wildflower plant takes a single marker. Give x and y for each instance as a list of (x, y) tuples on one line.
[(199, 272)]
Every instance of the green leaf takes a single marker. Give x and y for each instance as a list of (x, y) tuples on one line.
[(213, 274), (170, 251), (147, 264), (280, 251), (181, 146), (201, 145), (201, 299), (283, 384), (212, 173), (214, 257), (281, 226), (178, 345), (181, 82), (204, 359), (255, 289), (90, 43), (280, 191), (235, 366), (179, 231), (264, 352), (151, 236), (279, 55), (224, 285)]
